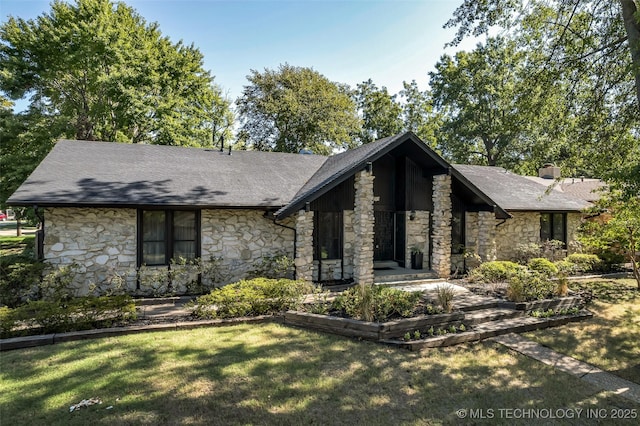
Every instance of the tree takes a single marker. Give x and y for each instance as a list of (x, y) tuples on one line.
[(488, 104), (102, 71), (381, 114), (417, 113), (294, 108)]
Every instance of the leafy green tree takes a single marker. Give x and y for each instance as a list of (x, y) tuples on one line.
[(487, 102), (294, 108), (417, 112), (101, 70), (588, 53), (381, 114)]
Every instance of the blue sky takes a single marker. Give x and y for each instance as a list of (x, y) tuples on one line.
[(346, 41)]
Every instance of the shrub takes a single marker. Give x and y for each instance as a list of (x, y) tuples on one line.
[(543, 266), (526, 252), (278, 265), (75, 314), (495, 271), (20, 277), (565, 267), (376, 303), (553, 250), (529, 285), (259, 296), (445, 297), (584, 262)]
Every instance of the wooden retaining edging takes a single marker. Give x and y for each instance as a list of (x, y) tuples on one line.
[(368, 330), (545, 304)]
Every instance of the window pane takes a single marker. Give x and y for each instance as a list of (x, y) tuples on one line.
[(153, 253), (153, 225), (186, 249), (184, 226), (329, 235), (558, 226), (545, 227)]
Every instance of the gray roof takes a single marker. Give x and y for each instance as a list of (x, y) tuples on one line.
[(518, 193), (584, 188), (87, 173)]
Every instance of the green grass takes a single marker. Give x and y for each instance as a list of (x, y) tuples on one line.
[(611, 339), (272, 374), (15, 245)]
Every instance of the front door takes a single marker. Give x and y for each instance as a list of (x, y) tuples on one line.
[(383, 239)]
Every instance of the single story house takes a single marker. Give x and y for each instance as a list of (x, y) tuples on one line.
[(110, 208)]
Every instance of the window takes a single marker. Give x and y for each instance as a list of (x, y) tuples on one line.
[(327, 235), (167, 234), (553, 226), (457, 225)]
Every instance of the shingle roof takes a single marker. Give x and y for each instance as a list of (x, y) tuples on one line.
[(514, 192), (105, 173), (583, 188)]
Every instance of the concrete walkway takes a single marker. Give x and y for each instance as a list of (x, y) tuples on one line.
[(582, 370)]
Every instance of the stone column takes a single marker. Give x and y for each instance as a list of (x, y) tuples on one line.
[(487, 236), (304, 246), (441, 256), (363, 228)]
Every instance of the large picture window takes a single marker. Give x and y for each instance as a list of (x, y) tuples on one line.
[(553, 226), (327, 235), (168, 234)]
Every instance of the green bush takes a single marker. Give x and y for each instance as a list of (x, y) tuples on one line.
[(259, 296), (495, 271), (543, 266), (526, 252), (20, 277), (584, 262), (278, 265), (565, 267), (529, 285), (379, 303), (75, 314)]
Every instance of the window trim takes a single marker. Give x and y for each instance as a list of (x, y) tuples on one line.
[(551, 226), (169, 234), (316, 235)]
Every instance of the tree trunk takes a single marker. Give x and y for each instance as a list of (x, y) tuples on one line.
[(632, 26), (18, 226)]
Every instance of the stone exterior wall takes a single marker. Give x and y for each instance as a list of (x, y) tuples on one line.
[(522, 228), (304, 245), (417, 236), (363, 228), (242, 238), (487, 249), (100, 241), (574, 220), (441, 256)]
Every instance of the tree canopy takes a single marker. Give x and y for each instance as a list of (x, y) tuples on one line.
[(294, 108), (108, 75)]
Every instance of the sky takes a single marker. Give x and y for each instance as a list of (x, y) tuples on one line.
[(387, 41)]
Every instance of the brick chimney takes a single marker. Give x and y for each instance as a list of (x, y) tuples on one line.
[(549, 171)]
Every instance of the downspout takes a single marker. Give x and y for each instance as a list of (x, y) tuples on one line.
[(295, 240), (40, 242)]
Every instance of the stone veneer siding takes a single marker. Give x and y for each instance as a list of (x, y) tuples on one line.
[(363, 228), (100, 241), (441, 256), (242, 238), (574, 220), (486, 236), (522, 228), (304, 245), (417, 236)]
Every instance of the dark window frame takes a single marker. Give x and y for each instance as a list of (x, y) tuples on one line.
[(318, 233), (169, 240), (458, 209), (552, 225)]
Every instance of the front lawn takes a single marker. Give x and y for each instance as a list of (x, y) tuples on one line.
[(272, 374), (611, 339)]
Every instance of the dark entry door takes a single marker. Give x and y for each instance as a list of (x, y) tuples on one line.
[(383, 236)]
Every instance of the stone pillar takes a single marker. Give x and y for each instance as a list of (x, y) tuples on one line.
[(363, 228), (441, 256), (487, 236), (304, 246)]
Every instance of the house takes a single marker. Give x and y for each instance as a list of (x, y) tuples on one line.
[(110, 208)]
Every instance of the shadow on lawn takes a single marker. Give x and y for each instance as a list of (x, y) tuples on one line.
[(271, 374)]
